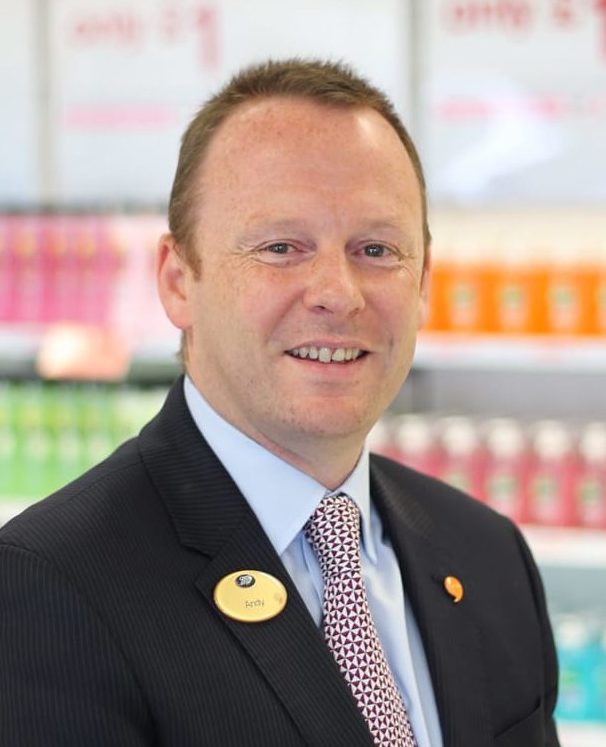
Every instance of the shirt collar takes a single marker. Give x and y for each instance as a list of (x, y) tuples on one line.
[(282, 497)]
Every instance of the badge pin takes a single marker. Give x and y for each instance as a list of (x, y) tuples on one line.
[(454, 587), (250, 596)]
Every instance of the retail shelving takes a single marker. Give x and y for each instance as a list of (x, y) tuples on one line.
[(563, 547), (582, 735), (547, 354)]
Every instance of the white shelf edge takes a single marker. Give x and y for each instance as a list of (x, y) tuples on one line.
[(581, 735), (492, 352), (567, 547), (451, 351)]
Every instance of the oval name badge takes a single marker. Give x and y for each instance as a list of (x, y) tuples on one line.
[(250, 596)]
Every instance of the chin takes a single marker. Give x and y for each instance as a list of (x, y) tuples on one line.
[(338, 424)]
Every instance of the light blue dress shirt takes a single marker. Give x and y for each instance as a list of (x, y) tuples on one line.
[(283, 498)]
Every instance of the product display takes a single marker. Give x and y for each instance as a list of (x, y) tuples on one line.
[(548, 472), (520, 274), (581, 643), (50, 433), (91, 270), (97, 273)]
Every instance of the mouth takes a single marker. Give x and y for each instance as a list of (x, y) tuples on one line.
[(327, 355)]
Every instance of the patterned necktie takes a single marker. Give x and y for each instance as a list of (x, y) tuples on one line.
[(334, 533)]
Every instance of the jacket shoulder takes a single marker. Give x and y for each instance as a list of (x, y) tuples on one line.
[(84, 507)]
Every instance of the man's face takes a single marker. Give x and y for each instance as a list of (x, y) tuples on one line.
[(309, 233)]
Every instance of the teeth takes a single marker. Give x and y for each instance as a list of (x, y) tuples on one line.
[(326, 355)]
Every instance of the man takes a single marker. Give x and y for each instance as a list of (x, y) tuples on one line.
[(198, 587)]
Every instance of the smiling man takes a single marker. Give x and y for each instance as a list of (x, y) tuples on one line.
[(301, 319), (244, 572)]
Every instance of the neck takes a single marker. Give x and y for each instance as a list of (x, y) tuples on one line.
[(327, 458), (328, 461)]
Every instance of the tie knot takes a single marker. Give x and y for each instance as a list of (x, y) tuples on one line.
[(333, 530)]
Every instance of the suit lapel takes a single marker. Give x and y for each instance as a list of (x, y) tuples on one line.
[(211, 517), (449, 631)]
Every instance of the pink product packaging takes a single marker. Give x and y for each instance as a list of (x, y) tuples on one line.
[(27, 269), (590, 479), (505, 477), (551, 493), (461, 456), (7, 270), (414, 443)]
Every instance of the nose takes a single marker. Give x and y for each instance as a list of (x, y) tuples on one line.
[(333, 284)]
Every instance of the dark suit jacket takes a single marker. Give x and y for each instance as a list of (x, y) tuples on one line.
[(109, 635)]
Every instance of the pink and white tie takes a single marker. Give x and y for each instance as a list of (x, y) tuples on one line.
[(334, 533)]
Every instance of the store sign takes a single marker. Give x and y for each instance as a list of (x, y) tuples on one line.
[(18, 91), (514, 95), (129, 75)]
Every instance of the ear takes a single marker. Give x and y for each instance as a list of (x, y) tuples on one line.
[(424, 289), (173, 279)]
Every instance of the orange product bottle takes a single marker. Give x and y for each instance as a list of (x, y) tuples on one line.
[(568, 292), (467, 289), (599, 288), (516, 297), (437, 317)]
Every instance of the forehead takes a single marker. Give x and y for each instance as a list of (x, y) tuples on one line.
[(290, 125), (272, 147)]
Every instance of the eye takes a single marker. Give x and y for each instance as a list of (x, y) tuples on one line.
[(281, 253), (376, 250), (280, 247)]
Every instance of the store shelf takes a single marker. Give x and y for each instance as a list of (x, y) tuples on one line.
[(150, 359), (567, 548), (19, 348), (582, 735), (501, 352)]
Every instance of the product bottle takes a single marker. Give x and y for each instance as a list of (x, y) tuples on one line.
[(590, 483), (467, 289), (576, 659), (67, 441), (516, 301), (460, 463), (28, 270), (568, 291), (8, 442), (551, 498), (414, 443), (600, 288), (7, 269), (598, 686), (33, 443), (506, 468), (380, 440)]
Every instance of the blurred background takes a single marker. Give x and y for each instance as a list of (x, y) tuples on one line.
[(506, 100)]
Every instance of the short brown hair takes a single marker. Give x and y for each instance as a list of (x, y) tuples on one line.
[(329, 83)]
